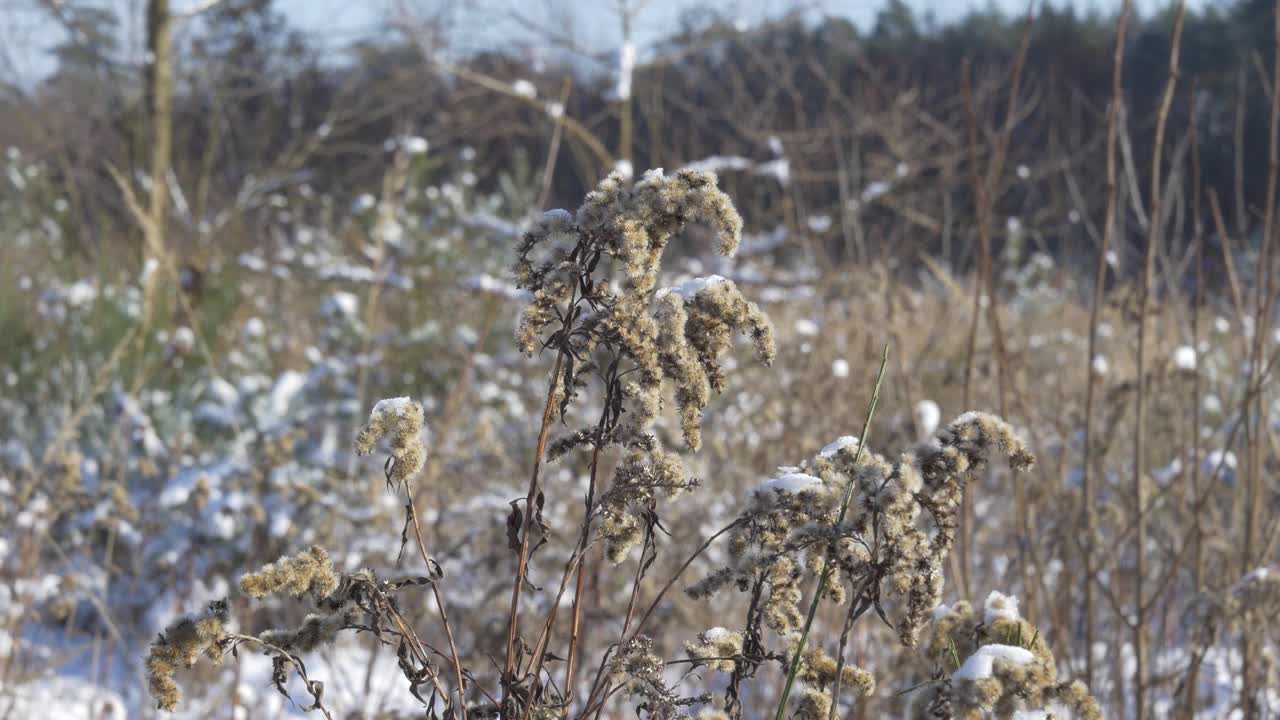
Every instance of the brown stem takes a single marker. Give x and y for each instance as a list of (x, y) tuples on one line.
[(596, 687), (577, 560), (575, 628), (522, 567), (858, 605), (444, 612), (1095, 310), (1265, 284), (1140, 641)]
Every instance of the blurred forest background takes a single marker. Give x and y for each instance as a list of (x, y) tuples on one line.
[(213, 262)]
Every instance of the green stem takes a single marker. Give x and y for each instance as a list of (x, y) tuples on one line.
[(825, 574)]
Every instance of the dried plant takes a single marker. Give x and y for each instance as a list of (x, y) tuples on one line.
[(875, 533), (593, 277), (180, 646), (991, 662), (310, 571), (890, 544)]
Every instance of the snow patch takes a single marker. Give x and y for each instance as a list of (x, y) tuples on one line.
[(981, 664), (790, 483), (840, 443), (998, 606)]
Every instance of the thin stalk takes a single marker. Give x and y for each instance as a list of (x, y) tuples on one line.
[(580, 582), (577, 560), (1140, 639), (522, 565), (858, 606), (825, 573), (1095, 309), (1197, 300), (1265, 283), (966, 502), (597, 689), (444, 612)]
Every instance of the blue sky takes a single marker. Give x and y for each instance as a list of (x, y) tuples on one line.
[(26, 34)]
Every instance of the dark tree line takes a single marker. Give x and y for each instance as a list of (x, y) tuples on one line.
[(257, 106)]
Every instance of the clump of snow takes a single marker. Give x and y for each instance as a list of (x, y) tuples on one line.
[(1100, 366), (626, 67), (819, 223), (524, 88), (625, 168), (806, 327), (720, 163), (716, 634), (415, 145), (997, 606), (391, 406), (1169, 472), (287, 387), (254, 328), (691, 287), (1256, 574), (779, 170), (840, 368), (1224, 459), (340, 304), (81, 294), (1184, 358), (981, 664), (559, 215), (184, 339), (837, 445), (874, 190), (790, 483), (927, 416)]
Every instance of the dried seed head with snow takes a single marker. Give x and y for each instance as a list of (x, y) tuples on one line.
[(568, 264), (989, 662), (892, 544), (400, 421)]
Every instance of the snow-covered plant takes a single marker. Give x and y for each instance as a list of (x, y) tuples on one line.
[(593, 277), (882, 529), (990, 662), (874, 532)]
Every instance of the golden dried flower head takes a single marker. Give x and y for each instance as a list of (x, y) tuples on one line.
[(400, 421), (564, 262), (894, 539), (996, 663), (639, 669), (310, 571), (716, 648), (180, 646)]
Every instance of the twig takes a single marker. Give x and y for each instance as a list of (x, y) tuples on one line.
[(1140, 424), (1095, 310), (825, 573)]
